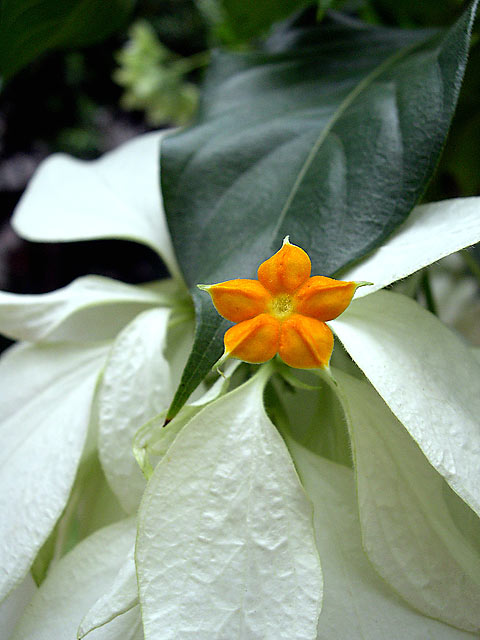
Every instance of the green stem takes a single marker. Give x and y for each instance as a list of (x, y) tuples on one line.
[(186, 65), (180, 318), (276, 411), (472, 264), (428, 293)]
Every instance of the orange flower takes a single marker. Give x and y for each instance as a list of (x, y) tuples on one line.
[(283, 312)]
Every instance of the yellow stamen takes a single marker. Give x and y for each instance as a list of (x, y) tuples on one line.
[(282, 306)]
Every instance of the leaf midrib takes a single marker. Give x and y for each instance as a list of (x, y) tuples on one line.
[(344, 105)]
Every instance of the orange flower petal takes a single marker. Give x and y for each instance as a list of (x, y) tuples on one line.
[(254, 340), (324, 298), (239, 300), (286, 270), (305, 343)]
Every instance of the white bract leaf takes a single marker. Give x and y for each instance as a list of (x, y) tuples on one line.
[(135, 387), (119, 599), (427, 376), (432, 231), (127, 626), (225, 548), (155, 437), (90, 308), (357, 603), (12, 608), (116, 196), (46, 401), (76, 583), (407, 526)]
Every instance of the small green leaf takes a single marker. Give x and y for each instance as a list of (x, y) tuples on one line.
[(28, 29), (154, 78), (207, 349), (330, 136)]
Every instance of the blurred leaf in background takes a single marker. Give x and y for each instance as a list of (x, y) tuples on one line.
[(458, 173), (408, 14), (235, 22), (29, 29)]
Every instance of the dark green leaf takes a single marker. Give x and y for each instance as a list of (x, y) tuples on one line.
[(207, 349), (410, 14), (329, 136), (246, 19), (28, 28), (459, 171)]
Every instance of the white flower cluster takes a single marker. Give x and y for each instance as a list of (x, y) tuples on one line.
[(216, 538)]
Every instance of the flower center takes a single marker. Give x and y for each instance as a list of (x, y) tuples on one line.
[(281, 306)]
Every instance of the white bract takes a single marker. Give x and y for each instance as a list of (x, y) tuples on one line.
[(46, 406), (226, 547), (355, 597), (225, 544), (79, 580), (409, 528), (48, 386)]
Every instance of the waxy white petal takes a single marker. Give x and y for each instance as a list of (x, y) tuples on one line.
[(116, 196), (119, 599), (127, 626), (225, 546), (407, 526), (76, 583), (357, 602), (427, 376), (12, 608), (90, 308), (46, 401), (136, 386), (432, 231)]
